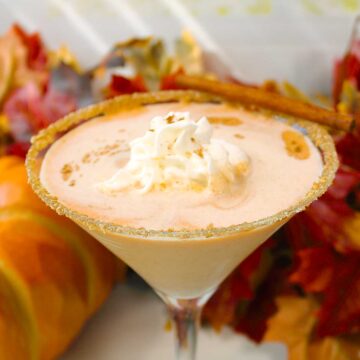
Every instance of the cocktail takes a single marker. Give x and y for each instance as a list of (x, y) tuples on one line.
[(180, 185)]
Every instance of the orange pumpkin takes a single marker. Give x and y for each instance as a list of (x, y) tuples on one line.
[(53, 275)]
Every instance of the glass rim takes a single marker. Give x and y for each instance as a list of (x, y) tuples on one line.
[(317, 134)]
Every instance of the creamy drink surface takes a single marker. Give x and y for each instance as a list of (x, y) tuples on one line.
[(93, 152), (248, 166)]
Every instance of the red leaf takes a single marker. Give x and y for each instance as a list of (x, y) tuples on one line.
[(316, 269), (340, 311), (121, 85), (347, 68), (168, 81), (346, 179), (253, 322), (348, 147), (323, 222), (28, 110), (18, 149), (17, 108), (37, 55), (221, 309), (236, 291), (296, 234), (52, 106), (252, 316), (337, 278)]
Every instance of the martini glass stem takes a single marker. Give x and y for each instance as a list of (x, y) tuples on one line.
[(186, 322), (186, 316)]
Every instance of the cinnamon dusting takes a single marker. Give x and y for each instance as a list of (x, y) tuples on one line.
[(107, 150), (170, 119), (199, 152), (86, 159), (295, 145), (224, 120), (66, 171)]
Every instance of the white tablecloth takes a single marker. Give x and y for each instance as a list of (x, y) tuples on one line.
[(131, 326)]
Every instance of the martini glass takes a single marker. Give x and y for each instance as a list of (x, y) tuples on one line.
[(162, 258)]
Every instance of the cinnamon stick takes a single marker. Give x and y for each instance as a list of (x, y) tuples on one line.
[(268, 100)]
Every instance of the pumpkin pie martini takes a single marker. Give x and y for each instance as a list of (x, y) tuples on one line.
[(181, 186)]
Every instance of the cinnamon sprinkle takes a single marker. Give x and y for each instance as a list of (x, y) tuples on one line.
[(86, 159), (239, 136), (66, 171), (199, 152), (170, 119), (295, 145), (224, 120)]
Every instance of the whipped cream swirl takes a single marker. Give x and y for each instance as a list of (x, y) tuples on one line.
[(177, 152)]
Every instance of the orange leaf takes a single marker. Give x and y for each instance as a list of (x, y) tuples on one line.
[(317, 266), (294, 324), (24, 51)]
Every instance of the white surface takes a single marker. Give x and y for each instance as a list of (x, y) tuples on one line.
[(296, 40), (130, 326)]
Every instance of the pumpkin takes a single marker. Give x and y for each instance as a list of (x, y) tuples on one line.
[(53, 275)]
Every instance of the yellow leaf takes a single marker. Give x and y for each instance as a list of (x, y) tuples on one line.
[(351, 228), (65, 56), (4, 131), (327, 349), (349, 98), (294, 324), (7, 65), (188, 54), (4, 124), (14, 69), (293, 92)]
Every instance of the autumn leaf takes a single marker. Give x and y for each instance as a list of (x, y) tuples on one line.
[(316, 269), (220, 310), (324, 221), (7, 68), (29, 110), (245, 299), (19, 149), (294, 323), (66, 80), (121, 85), (63, 56), (188, 55), (25, 59), (340, 310), (348, 147), (347, 68), (337, 278), (351, 228), (36, 51), (252, 315), (168, 82), (145, 57)]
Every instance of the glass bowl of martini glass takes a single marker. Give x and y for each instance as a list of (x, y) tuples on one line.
[(180, 185)]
